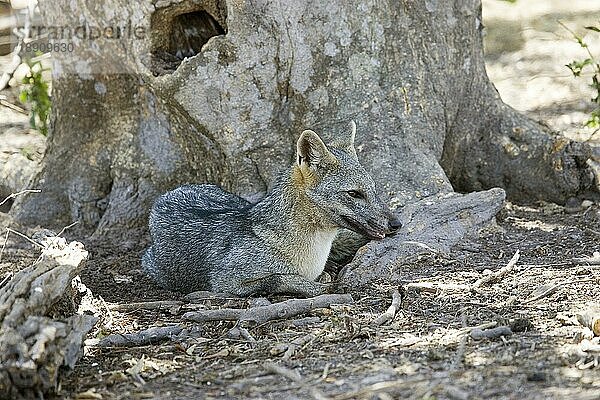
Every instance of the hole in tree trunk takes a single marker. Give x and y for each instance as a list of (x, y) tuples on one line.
[(178, 32)]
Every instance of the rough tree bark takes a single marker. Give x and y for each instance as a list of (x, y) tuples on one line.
[(130, 120)]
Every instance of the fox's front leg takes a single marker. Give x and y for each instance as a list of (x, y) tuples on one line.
[(284, 283)]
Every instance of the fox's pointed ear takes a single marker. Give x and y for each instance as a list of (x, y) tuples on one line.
[(311, 151), (345, 141)]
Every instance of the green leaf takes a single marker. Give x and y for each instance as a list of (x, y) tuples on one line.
[(592, 28), (577, 66), (594, 121)]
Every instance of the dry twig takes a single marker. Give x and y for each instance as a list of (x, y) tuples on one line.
[(147, 305), (30, 240), (67, 227), (390, 313), (434, 287), (547, 292), (13, 195), (283, 310), (6, 279), (501, 273), (147, 336), (12, 106)]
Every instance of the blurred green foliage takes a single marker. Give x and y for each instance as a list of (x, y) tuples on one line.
[(589, 64), (36, 94)]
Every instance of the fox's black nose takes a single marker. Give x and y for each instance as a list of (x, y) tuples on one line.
[(394, 224)]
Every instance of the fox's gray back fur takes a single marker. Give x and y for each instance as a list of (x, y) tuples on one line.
[(207, 239)]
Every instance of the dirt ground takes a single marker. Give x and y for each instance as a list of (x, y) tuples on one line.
[(427, 351)]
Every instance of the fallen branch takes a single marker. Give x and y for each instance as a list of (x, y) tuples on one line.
[(33, 347), (283, 310), (390, 313), (142, 338), (501, 273)]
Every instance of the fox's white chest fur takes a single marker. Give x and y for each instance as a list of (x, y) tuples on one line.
[(313, 253)]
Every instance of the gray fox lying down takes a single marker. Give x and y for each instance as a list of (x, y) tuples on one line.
[(207, 239)]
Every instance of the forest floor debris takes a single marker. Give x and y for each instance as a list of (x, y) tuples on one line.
[(451, 342)]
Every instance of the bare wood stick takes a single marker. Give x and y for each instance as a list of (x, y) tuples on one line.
[(390, 313), (6, 279), (12, 106), (148, 305), (552, 289), (13, 195), (142, 338), (283, 371), (30, 240), (67, 227), (434, 287), (283, 310), (501, 273)]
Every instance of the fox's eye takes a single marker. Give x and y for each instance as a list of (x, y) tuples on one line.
[(355, 194)]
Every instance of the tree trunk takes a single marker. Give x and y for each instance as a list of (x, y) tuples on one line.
[(130, 120)]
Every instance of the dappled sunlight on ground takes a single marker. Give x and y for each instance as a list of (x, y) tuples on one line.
[(526, 53)]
